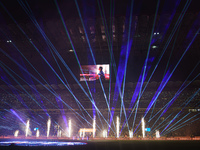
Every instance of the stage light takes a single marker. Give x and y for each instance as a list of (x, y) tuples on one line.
[(16, 133), (59, 133), (143, 127), (157, 134), (154, 46), (9, 41), (37, 133), (130, 134), (104, 133), (27, 127), (94, 126), (48, 126), (117, 128)]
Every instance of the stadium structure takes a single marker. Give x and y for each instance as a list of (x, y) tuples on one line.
[(115, 69)]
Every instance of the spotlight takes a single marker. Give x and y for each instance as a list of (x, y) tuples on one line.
[(9, 41)]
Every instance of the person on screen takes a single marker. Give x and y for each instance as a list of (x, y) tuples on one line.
[(101, 73)]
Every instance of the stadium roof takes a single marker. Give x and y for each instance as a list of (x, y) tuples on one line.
[(31, 29)]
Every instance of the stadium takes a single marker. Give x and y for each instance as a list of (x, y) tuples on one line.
[(99, 74)]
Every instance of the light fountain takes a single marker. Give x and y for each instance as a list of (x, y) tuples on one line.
[(94, 126), (37, 133), (16, 133), (130, 133), (27, 127), (117, 126), (59, 132), (143, 127), (157, 134), (105, 134), (48, 126)]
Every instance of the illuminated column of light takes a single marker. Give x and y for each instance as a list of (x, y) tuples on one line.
[(70, 127), (117, 126), (157, 134), (143, 127), (27, 127), (59, 133), (48, 126), (37, 133), (58, 130), (16, 133), (130, 133), (94, 126), (105, 134)]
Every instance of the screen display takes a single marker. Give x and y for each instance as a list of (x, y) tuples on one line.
[(95, 72), (148, 129)]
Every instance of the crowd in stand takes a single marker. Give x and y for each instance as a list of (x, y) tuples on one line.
[(78, 100), (52, 100)]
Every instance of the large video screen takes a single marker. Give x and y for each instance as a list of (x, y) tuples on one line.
[(94, 72)]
